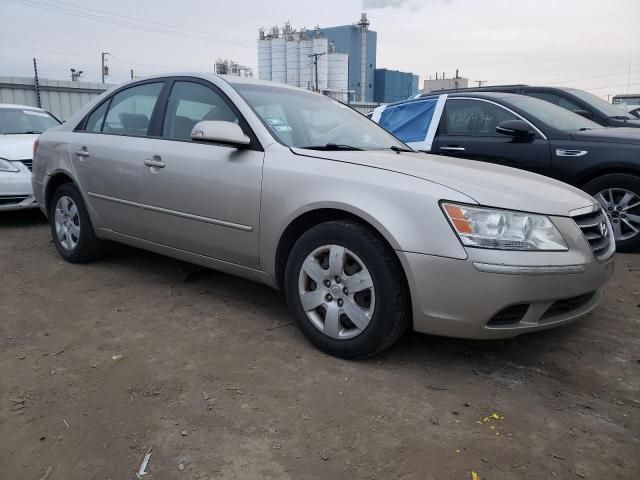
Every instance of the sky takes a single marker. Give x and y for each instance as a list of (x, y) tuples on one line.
[(587, 44)]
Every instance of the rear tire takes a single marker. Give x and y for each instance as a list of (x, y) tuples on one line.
[(369, 318), (619, 195), (71, 228)]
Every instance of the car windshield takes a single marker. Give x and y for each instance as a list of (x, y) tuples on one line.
[(605, 107), (551, 115), (303, 119), (15, 121)]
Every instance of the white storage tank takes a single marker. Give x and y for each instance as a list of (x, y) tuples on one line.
[(306, 64), (321, 46), (338, 71), (293, 62), (264, 59), (278, 60)]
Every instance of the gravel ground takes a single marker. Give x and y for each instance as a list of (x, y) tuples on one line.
[(101, 362)]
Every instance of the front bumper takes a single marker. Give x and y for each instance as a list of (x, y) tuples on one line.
[(500, 294), (16, 192)]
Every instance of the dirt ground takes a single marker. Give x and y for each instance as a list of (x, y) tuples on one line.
[(101, 362)]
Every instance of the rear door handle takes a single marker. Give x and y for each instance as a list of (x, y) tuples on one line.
[(452, 148), (82, 152), (154, 162)]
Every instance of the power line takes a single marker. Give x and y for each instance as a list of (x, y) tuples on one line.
[(146, 26)]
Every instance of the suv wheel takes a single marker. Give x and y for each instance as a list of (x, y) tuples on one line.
[(346, 290), (71, 227), (619, 195)]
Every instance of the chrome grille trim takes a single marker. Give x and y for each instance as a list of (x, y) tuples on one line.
[(596, 229)]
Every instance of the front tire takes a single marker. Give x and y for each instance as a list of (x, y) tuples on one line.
[(619, 195), (71, 228), (346, 290)]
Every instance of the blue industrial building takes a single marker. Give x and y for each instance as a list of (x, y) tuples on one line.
[(393, 86), (347, 39)]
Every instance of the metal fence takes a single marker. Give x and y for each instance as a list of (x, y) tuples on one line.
[(61, 98)]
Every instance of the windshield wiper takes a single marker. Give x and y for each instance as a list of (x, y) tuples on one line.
[(28, 132), (584, 129), (400, 149), (332, 146)]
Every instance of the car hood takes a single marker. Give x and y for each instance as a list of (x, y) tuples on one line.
[(17, 147), (488, 184), (612, 135)]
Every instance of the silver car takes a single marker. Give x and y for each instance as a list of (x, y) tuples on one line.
[(297, 191), (20, 125)]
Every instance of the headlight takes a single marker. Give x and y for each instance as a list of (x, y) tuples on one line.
[(502, 229), (7, 166)]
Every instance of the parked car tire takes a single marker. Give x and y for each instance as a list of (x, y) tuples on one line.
[(619, 195), (346, 290), (71, 227)]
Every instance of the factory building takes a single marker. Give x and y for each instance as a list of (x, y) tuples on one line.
[(341, 56), (441, 82), (360, 44), (394, 86), (302, 58), (229, 67)]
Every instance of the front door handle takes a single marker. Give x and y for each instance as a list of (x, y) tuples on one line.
[(154, 162), (452, 148), (82, 152)]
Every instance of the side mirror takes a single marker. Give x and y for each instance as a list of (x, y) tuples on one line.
[(584, 113), (219, 132), (514, 128)]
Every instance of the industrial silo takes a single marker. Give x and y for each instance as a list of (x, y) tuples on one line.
[(320, 47), (278, 60), (306, 64), (338, 76), (293, 62), (264, 57)]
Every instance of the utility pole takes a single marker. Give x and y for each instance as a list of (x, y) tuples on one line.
[(132, 74), (105, 69), (315, 63), (480, 82), (36, 83)]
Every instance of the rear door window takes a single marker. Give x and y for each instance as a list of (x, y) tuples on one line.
[(555, 99), (475, 118), (130, 110), (96, 119)]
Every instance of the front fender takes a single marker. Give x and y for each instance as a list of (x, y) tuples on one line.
[(404, 209)]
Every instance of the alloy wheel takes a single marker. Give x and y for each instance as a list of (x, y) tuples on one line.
[(336, 292), (67, 223), (622, 206)]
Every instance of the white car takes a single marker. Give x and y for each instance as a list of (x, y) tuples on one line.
[(20, 126)]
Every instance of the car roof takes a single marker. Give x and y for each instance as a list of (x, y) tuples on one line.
[(20, 107), (485, 95), (230, 79)]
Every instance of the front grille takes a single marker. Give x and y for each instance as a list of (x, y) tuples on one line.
[(595, 229), (566, 305), (509, 315), (12, 199)]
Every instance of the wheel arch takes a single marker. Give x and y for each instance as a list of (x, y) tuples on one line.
[(304, 221), (56, 180), (600, 172)]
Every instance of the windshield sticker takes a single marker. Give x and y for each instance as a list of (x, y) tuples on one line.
[(282, 128), (273, 121), (33, 112)]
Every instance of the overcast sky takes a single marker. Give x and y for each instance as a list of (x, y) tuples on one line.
[(585, 44)]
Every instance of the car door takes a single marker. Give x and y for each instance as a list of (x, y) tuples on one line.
[(108, 151), (202, 198), (467, 129)]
